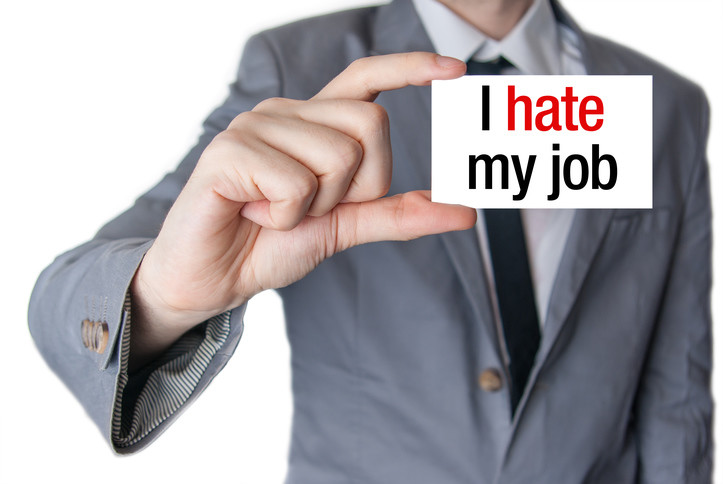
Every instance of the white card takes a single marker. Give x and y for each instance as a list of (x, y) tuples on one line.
[(543, 141)]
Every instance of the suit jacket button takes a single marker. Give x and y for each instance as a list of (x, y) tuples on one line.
[(85, 328), (94, 335), (99, 338), (490, 380)]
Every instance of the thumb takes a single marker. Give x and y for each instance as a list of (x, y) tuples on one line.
[(401, 217)]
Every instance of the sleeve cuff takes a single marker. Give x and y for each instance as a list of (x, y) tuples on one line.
[(145, 399)]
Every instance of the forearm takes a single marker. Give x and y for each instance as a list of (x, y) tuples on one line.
[(92, 282)]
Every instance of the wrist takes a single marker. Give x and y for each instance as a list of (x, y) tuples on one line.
[(155, 325)]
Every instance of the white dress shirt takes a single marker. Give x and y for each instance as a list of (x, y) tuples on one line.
[(538, 44)]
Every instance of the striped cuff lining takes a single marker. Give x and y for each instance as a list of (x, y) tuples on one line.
[(167, 387)]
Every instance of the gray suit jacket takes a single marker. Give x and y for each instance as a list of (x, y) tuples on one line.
[(388, 339)]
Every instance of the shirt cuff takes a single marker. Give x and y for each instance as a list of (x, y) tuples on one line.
[(148, 397)]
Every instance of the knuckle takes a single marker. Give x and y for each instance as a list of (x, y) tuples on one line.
[(271, 104), (411, 57), (225, 138), (376, 120), (378, 114), (348, 154), (223, 143), (376, 180), (228, 141), (381, 188), (304, 186), (414, 59), (400, 210), (374, 188), (368, 187), (245, 121), (359, 64), (360, 71)]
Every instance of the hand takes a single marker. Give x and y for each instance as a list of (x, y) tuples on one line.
[(287, 185)]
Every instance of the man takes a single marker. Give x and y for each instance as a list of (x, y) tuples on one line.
[(401, 367)]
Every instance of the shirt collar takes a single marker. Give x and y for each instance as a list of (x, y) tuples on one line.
[(533, 45)]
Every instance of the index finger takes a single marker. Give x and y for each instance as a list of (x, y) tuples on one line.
[(365, 78)]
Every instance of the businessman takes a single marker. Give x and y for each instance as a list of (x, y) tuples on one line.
[(407, 366)]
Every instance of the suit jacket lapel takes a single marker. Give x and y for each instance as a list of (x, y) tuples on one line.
[(589, 225)]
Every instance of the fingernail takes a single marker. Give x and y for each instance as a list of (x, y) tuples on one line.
[(448, 62)]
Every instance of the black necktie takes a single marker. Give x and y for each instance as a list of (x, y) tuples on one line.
[(515, 296), (511, 268), (489, 68)]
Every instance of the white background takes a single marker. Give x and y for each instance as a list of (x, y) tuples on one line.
[(97, 101)]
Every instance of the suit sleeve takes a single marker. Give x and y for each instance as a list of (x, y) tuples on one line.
[(674, 405), (87, 287)]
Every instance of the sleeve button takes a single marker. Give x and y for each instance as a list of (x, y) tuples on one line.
[(94, 335)]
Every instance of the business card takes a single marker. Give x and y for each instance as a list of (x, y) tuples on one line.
[(543, 141)]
